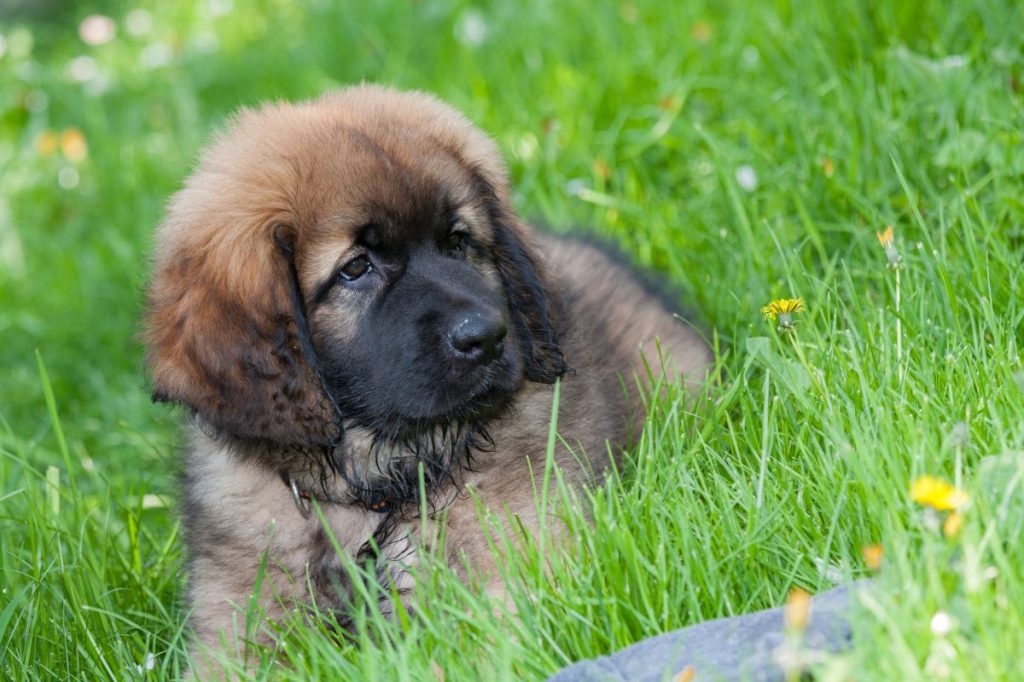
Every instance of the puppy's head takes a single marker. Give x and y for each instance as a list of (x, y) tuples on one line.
[(355, 256)]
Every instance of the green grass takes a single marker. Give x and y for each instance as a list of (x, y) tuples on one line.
[(631, 119)]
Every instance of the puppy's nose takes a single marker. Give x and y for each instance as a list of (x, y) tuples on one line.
[(478, 337)]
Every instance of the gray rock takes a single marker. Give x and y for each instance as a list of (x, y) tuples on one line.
[(745, 648)]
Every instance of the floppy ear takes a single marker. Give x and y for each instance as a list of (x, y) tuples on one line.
[(531, 305), (227, 336)]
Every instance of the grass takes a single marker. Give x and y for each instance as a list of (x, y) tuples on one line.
[(747, 151)]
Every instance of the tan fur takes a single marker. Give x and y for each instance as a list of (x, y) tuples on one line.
[(300, 173)]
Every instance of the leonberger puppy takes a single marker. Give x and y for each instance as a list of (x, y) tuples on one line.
[(350, 310)]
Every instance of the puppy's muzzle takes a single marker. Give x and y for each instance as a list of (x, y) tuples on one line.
[(477, 337)]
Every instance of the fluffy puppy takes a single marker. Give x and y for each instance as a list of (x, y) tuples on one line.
[(344, 296)]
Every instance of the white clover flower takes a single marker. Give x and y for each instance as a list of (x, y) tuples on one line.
[(139, 22), (942, 624), (83, 69), (97, 29), (471, 29), (746, 177)]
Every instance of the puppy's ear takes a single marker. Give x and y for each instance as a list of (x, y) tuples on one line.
[(227, 336), (531, 305)]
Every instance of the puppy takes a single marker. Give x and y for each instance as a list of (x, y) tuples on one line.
[(345, 301)]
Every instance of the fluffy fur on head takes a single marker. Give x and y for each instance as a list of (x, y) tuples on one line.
[(343, 298), (244, 326)]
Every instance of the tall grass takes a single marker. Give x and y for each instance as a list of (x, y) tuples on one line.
[(746, 151)]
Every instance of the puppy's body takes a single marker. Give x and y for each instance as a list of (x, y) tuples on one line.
[(330, 343)]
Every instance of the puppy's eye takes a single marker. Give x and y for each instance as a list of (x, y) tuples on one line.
[(355, 268), (455, 242)]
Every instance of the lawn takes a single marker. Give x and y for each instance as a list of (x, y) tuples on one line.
[(747, 151)]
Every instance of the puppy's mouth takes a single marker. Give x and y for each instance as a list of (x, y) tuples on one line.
[(484, 401), (422, 394), (433, 423), (440, 447)]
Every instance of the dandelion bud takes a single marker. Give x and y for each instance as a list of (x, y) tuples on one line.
[(952, 525), (873, 555), (798, 609)]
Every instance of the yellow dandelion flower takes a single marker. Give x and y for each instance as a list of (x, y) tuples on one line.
[(701, 32), (798, 609), (72, 145), (783, 306), (954, 522), (668, 103), (873, 555), (885, 238), (686, 674), (46, 143), (935, 493), (782, 310)]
